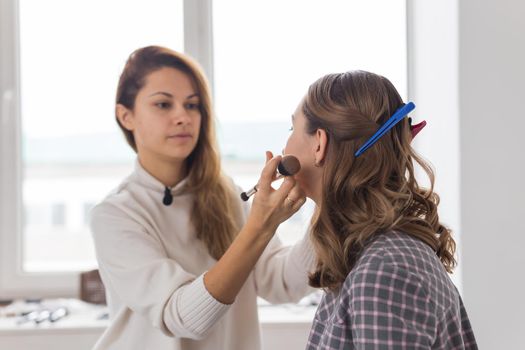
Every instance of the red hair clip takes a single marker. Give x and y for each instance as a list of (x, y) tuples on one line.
[(415, 129)]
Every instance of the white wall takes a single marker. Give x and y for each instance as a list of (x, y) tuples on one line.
[(433, 86), (467, 78), (492, 142)]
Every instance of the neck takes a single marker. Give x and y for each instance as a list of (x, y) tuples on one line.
[(170, 173), (316, 189), (316, 197)]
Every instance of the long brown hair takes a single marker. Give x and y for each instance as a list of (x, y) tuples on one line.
[(214, 207), (374, 193)]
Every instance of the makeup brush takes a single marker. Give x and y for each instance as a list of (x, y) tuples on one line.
[(288, 166)]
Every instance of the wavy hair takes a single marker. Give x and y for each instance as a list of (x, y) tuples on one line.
[(214, 208), (374, 193)]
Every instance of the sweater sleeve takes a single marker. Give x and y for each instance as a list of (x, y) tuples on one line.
[(135, 267), (281, 274)]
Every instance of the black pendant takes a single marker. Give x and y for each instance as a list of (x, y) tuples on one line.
[(168, 198)]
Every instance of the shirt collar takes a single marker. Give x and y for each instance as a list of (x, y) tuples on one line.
[(150, 181)]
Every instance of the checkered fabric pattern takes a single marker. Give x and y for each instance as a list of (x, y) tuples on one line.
[(398, 296)]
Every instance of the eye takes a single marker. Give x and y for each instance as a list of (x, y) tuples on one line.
[(291, 128), (192, 106), (163, 105)]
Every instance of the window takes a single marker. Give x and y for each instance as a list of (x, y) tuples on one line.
[(61, 149), (265, 60), (69, 55), (67, 100)]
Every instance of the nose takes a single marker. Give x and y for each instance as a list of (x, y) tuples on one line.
[(180, 116)]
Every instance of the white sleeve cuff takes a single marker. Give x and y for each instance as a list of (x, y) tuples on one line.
[(194, 310)]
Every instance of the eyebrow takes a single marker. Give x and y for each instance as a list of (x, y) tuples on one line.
[(170, 95), (161, 93), (293, 117)]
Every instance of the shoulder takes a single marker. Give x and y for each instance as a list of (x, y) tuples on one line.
[(366, 279), (112, 201), (390, 268), (390, 298), (386, 262), (401, 250), (386, 289), (118, 193), (119, 207)]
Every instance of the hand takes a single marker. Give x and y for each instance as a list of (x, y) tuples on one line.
[(271, 207)]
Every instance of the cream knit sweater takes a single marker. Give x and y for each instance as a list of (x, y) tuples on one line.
[(152, 266)]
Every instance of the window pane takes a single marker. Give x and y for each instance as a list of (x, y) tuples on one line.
[(72, 53), (266, 59)]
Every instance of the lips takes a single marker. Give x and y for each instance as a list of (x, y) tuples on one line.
[(180, 136)]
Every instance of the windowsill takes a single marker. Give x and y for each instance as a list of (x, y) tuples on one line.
[(84, 318)]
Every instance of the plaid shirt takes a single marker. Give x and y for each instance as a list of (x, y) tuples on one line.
[(398, 296)]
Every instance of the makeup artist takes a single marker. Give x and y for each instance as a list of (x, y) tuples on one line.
[(182, 258)]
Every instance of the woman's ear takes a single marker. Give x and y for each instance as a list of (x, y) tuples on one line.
[(125, 117), (322, 143)]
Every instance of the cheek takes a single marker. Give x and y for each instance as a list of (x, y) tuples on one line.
[(304, 180), (197, 125), (291, 146), (299, 147), (198, 122), (147, 130)]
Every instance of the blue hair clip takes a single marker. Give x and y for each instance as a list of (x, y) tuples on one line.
[(390, 123)]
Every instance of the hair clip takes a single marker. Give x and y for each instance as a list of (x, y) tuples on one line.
[(415, 129), (401, 113)]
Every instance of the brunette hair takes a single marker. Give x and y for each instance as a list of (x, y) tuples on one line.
[(214, 208), (375, 193)]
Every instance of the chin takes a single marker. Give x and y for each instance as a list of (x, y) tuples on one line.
[(180, 156), (180, 152)]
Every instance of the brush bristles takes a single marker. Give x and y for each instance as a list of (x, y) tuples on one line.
[(289, 166)]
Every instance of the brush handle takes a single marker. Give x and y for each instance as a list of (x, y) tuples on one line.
[(246, 195)]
